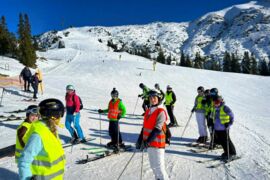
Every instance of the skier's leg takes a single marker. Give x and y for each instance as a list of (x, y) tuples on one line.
[(114, 132), (169, 110), (119, 135), (77, 126), (157, 162), (69, 119), (232, 150)]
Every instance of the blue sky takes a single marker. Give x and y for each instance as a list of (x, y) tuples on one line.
[(48, 15)]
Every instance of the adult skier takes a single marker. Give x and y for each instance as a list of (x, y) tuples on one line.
[(200, 115), (154, 129), (116, 110), (170, 100), (24, 129), (43, 156), (26, 76), (223, 118), (73, 104), (144, 96)]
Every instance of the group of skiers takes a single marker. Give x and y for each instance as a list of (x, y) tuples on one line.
[(210, 109), (39, 152), (34, 80)]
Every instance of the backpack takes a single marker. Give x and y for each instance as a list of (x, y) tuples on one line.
[(81, 104), (168, 134)]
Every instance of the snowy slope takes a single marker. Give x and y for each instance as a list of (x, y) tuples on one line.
[(236, 29), (94, 71)]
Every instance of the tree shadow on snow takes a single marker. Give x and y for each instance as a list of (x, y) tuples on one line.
[(15, 92), (191, 154), (7, 174), (144, 69)]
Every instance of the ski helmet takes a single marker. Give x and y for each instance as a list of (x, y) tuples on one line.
[(169, 87), (200, 88), (32, 109), (51, 108), (214, 92), (70, 87), (207, 92), (141, 85), (114, 93), (157, 86)]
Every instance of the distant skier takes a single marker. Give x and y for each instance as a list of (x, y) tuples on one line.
[(116, 110), (34, 84), (43, 156), (26, 76), (154, 65), (200, 115), (24, 129), (73, 115), (144, 96), (154, 128), (170, 100), (223, 118)]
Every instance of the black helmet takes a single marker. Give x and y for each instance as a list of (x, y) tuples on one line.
[(152, 93), (214, 92), (157, 86), (114, 93), (51, 108), (32, 109), (207, 92), (200, 88), (141, 85)]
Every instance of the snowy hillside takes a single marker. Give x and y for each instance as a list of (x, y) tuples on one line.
[(94, 71), (236, 29)]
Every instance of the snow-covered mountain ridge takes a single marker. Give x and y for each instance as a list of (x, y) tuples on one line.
[(236, 29)]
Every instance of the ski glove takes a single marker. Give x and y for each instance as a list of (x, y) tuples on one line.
[(193, 109), (119, 116), (144, 145), (100, 111), (139, 95), (227, 125)]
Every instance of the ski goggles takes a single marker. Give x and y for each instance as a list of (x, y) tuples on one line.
[(33, 111)]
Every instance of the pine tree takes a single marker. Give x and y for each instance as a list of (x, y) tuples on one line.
[(27, 54), (169, 59), (7, 39), (227, 62), (245, 65), (198, 61), (161, 58), (254, 66), (182, 59), (235, 66), (188, 62), (264, 71)]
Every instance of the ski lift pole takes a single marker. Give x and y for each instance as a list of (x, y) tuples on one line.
[(135, 105), (186, 125)]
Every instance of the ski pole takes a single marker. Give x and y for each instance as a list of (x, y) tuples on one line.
[(126, 165), (100, 129), (135, 105), (213, 139), (228, 153), (186, 125), (142, 165)]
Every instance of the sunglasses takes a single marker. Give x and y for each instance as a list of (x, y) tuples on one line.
[(33, 111)]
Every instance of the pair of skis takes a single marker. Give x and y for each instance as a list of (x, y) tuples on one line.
[(102, 153), (218, 161), (73, 144)]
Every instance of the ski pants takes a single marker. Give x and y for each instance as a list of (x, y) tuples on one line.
[(221, 137), (70, 118), (157, 162), (170, 113), (26, 84), (201, 123), (114, 132)]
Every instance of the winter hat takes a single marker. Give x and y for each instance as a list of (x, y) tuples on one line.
[(169, 87)]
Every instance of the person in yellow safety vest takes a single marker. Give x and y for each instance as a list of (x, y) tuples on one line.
[(170, 100), (200, 116), (43, 156), (144, 96), (23, 129), (116, 110), (40, 80), (223, 118), (154, 138)]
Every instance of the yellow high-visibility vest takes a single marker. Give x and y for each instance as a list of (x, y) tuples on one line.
[(19, 148)]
